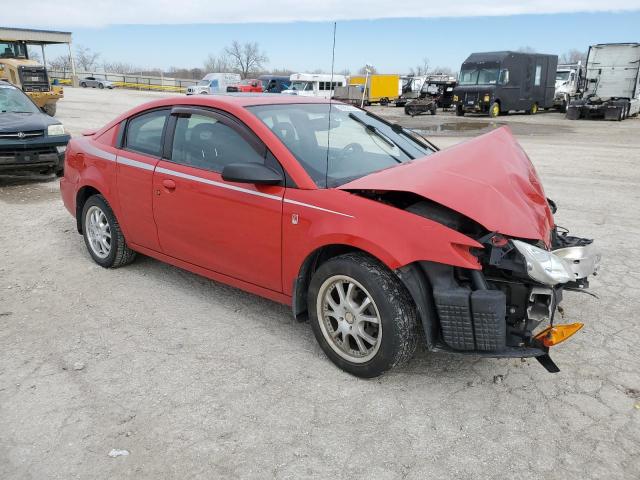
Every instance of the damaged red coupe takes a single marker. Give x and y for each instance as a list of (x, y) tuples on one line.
[(362, 226)]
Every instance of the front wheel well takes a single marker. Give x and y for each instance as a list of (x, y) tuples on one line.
[(81, 198), (308, 268)]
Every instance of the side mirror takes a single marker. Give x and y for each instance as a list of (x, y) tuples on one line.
[(255, 173)]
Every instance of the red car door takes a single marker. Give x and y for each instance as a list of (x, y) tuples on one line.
[(230, 228), (139, 154)]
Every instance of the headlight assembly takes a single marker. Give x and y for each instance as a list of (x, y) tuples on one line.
[(544, 266), (53, 130)]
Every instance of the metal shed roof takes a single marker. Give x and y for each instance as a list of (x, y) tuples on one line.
[(37, 37)]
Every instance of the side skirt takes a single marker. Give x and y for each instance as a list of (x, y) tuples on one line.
[(218, 277)]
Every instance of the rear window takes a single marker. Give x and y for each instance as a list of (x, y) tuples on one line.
[(144, 132)]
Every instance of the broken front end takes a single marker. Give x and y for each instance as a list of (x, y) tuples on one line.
[(511, 306)]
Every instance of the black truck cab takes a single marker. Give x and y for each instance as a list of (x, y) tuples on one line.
[(497, 82)]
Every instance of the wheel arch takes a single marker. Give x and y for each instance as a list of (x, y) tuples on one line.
[(412, 276), (83, 194), (308, 267)]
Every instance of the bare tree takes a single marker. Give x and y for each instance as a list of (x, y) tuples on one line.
[(573, 56), (61, 63), (218, 63), (371, 68), (421, 69), (346, 72), (526, 49), (188, 73), (246, 58), (85, 58), (442, 71), (120, 67)]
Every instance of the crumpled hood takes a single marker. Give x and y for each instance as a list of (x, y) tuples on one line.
[(489, 179), (23, 122)]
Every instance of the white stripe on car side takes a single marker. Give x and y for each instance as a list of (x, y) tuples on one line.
[(98, 152), (145, 166), (217, 184), (134, 163), (295, 202)]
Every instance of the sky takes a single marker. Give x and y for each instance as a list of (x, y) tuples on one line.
[(298, 34)]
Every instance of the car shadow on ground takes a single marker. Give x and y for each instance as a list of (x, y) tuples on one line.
[(16, 189), (260, 313)]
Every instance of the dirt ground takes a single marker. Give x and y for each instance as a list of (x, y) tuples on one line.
[(198, 380)]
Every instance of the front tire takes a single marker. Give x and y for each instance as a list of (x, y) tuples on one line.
[(83, 84), (103, 236), (100, 86), (362, 315), (459, 111)]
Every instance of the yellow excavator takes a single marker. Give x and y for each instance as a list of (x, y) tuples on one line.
[(29, 75)]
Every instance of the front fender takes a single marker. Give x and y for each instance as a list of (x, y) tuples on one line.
[(392, 235)]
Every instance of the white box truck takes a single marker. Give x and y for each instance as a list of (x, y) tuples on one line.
[(612, 83), (214, 83)]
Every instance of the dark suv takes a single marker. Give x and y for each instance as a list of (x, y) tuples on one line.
[(30, 140)]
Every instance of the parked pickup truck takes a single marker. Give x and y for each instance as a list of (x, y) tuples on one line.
[(246, 86), (30, 140)]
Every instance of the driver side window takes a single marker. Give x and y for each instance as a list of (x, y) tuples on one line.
[(202, 141)]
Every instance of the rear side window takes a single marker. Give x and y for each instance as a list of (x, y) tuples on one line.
[(144, 132), (202, 141)]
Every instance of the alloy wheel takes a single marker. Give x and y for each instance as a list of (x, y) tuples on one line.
[(349, 319), (98, 232)]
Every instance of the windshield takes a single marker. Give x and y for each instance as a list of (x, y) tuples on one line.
[(479, 76), (357, 144), (203, 83), (562, 76), (301, 85), (12, 50), (13, 100)]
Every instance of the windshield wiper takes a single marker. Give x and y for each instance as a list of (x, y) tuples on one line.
[(372, 129)]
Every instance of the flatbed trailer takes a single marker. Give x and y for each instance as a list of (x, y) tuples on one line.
[(612, 88)]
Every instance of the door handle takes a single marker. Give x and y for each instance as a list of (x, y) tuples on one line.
[(169, 184)]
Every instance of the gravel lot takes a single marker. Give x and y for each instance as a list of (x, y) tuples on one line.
[(199, 380)]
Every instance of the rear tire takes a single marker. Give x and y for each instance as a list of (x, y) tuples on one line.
[(533, 110), (459, 111), (103, 236), (368, 341), (100, 86), (494, 110)]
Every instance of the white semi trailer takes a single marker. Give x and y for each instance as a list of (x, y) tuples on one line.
[(612, 83)]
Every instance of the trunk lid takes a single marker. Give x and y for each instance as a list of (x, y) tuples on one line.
[(489, 179)]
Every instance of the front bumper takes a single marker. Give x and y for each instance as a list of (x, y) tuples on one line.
[(41, 154), (495, 313)]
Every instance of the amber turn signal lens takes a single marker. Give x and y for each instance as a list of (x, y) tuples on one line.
[(551, 336)]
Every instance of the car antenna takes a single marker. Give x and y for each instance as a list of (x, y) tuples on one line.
[(333, 58)]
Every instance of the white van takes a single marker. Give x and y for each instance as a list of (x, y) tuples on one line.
[(314, 84), (214, 83)]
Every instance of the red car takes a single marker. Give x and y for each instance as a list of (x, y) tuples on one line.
[(363, 227), (248, 85)]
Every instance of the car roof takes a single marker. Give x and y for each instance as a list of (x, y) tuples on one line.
[(248, 99)]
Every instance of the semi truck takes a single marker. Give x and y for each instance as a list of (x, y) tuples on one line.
[(495, 83), (569, 85), (612, 83)]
